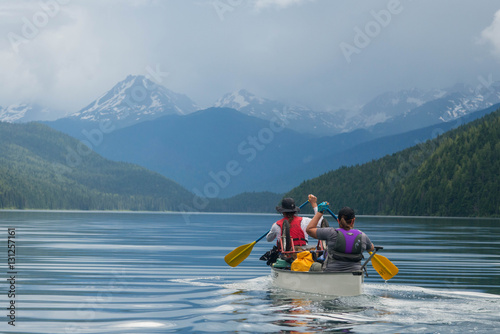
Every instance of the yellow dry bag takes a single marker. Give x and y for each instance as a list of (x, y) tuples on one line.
[(303, 262)]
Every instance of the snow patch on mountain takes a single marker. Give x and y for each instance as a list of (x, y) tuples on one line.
[(439, 94), (414, 108), (13, 113), (472, 99), (24, 112), (375, 119), (239, 100), (133, 100), (415, 101), (384, 107)]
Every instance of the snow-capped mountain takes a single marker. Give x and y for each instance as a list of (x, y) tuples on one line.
[(467, 99), (239, 100), (298, 118), (134, 100), (447, 105), (251, 105), (402, 110), (384, 107), (391, 104), (19, 113)]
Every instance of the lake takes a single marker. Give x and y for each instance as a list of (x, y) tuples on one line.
[(104, 272)]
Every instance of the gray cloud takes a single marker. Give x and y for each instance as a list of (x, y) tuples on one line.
[(491, 34), (290, 50)]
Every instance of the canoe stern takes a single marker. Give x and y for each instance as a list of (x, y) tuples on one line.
[(324, 283)]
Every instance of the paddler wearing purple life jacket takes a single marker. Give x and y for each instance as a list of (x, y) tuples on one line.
[(345, 245)]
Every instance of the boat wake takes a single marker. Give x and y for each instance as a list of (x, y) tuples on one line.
[(383, 308), (198, 281), (434, 310)]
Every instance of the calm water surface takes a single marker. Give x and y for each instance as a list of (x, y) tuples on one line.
[(85, 272)]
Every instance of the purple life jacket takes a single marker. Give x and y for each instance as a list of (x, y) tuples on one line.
[(348, 246)]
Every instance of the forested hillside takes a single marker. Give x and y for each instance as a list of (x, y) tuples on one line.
[(41, 168), (455, 174)]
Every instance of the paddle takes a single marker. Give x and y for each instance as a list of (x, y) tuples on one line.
[(239, 254), (385, 268), (333, 214)]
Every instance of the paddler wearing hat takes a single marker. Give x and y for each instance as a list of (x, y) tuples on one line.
[(298, 224)]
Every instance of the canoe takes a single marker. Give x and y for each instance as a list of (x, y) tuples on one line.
[(319, 282)]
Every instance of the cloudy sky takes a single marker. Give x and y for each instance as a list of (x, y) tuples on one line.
[(324, 54)]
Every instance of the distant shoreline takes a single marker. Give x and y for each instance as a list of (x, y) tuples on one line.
[(228, 213)]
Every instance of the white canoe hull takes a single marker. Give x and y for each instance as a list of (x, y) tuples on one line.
[(317, 282)]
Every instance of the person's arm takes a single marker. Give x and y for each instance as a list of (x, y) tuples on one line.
[(319, 221), (273, 233), (314, 203), (313, 225), (369, 245)]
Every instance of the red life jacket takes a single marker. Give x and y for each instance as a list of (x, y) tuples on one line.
[(296, 232)]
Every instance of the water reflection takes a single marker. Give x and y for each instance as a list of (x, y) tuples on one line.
[(296, 313)]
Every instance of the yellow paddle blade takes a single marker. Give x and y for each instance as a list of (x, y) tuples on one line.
[(385, 268), (239, 254)]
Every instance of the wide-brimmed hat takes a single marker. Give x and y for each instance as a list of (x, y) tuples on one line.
[(287, 205), (347, 213)]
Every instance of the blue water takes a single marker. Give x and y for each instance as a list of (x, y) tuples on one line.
[(87, 272)]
